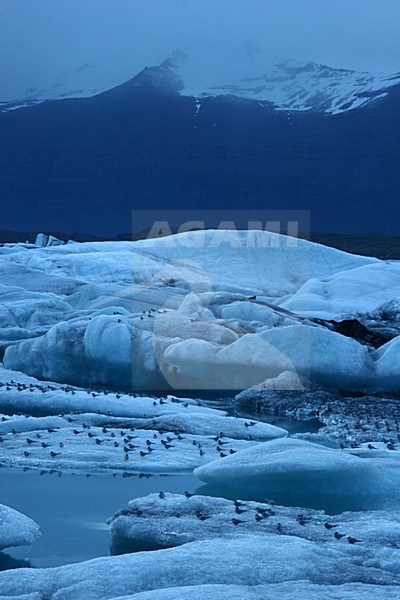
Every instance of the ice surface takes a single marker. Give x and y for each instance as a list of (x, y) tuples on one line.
[(167, 313), (307, 472), (206, 424), (37, 281), (257, 560), (69, 429), (172, 520), (364, 288), (95, 443), (22, 393), (25, 314), (288, 591), (246, 311), (262, 260), (388, 365), (32, 596), (315, 352), (22, 424), (16, 529)]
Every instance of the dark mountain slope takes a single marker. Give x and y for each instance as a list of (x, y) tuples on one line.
[(84, 164)]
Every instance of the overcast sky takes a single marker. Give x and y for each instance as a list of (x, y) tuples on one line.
[(42, 39)]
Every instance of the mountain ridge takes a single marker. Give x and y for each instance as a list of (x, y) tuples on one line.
[(287, 85), (90, 162)]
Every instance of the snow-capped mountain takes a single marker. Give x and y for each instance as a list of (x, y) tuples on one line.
[(283, 84), (190, 134), (288, 85)]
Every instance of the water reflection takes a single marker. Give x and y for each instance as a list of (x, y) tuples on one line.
[(299, 497), (7, 562), (72, 509)]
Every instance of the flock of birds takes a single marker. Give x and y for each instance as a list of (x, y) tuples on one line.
[(67, 389), (130, 441), (152, 312), (358, 421), (127, 440), (349, 421), (264, 513), (242, 510)]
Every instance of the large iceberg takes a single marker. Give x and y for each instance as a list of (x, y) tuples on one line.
[(167, 313)]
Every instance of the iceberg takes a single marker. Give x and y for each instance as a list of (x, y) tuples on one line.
[(230, 427), (314, 352), (95, 443), (16, 529), (169, 520), (44, 241), (24, 394), (289, 591), (257, 560), (362, 289), (68, 428), (301, 472), (164, 314), (387, 365)]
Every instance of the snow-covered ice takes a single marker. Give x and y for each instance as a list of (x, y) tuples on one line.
[(21, 393), (66, 428), (207, 424), (289, 591), (364, 288), (166, 313), (172, 520), (307, 472), (93, 444), (16, 529), (257, 560)]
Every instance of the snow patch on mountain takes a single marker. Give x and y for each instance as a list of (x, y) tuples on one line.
[(279, 84), (282, 84)]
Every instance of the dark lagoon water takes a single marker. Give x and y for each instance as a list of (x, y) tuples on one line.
[(72, 510)]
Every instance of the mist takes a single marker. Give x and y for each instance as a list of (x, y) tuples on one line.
[(41, 40)]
